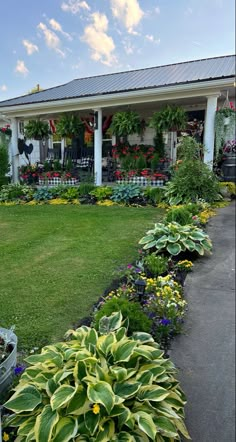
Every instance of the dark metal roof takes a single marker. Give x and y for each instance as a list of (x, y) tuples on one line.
[(156, 77)]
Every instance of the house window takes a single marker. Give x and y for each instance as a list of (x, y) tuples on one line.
[(21, 127)]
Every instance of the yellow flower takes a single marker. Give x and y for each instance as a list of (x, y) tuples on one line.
[(96, 409), (5, 437)]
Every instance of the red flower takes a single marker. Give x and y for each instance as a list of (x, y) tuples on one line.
[(56, 174)]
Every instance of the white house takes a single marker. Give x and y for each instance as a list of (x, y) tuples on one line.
[(199, 85)]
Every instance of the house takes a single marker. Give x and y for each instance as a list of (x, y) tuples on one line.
[(197, 86)]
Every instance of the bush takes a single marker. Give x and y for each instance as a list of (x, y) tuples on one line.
[(155, 265), (101, 192), (181, 215), (124, 193), (12, 192), (138, 320), (154, 195), (99, 386), (85, 189), (192, 179), (43, 194), (174, 239), (4, 163)]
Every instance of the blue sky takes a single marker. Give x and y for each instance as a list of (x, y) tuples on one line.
[(51, 42)]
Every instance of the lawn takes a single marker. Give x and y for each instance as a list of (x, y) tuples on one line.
[(57, 261)]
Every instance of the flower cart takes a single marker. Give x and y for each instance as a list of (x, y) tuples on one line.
[(8, 352)]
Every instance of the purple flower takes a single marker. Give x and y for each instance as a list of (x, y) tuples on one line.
[(18, 370), (165, 321), (137, 270)]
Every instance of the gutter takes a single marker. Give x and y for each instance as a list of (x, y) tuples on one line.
[(197, 89)]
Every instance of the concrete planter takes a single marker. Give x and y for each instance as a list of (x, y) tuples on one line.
[(8, 365)]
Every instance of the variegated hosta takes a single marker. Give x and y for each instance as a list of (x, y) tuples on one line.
[(99, 386), (176, 239)]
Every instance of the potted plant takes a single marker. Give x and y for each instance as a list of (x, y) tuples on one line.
[(169, 119), (126, 123), (69, 126), (37, 130), (8, 353)]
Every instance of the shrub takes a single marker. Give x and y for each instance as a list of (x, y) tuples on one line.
[(192, 178), (181, 215), (85, 189), (126, 192), (99, 386), (155, 265), (43, 194), (4, 163), (138, 321), (70, 193), (154, 195), (102, 192), (174, 239), (13, 192)]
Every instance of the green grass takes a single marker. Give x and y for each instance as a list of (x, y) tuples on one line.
[(57, 261)]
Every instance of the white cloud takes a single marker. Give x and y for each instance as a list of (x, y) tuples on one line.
[(157, 10), (197, 43), (74, 6), (3, 88), (57, 27), (188, 11), (128, 47), (128, 12), (100, 43), (51, 39), (151, 38), (30, 47), (21, 68)]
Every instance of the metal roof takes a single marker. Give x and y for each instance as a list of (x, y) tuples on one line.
[(155, 77)]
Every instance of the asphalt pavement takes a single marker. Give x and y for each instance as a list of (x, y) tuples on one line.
[(205, 353)]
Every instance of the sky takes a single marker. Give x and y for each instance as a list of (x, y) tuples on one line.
[(51, 42)]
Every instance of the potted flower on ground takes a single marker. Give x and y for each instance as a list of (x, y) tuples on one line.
[(8, 353)]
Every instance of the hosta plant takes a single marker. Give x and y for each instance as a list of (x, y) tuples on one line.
[(174, 239), (99, 386)]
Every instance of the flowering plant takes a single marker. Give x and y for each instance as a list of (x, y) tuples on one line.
[(184, 265), (230, 147), (6, 130)]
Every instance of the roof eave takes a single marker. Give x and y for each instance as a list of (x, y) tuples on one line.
[(184, 90)]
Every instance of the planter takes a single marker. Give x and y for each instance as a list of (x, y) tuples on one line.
[(8, 365), (142, 181), (56, 181), (229, 168)]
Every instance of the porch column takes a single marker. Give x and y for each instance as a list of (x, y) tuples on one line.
[(209, 129), (14, 150), (98, 149)]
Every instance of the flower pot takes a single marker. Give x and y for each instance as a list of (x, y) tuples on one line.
[(8, 365)]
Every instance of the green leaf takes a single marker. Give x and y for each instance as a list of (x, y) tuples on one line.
[(174, 249), (45, 424), (62, 396), (126, 389), (174, 238), (182, 428), (189, 244), (110, 323), (199, 249), (152, 393), (119, 373), (146, 424), (27, 426), (142, 337), (66, 429), (101, 393), (166, 426), (91, 421), (25, 399), (79, 404), (123, 350), (146, 239), (197, 235), (150, 245), (51, 387), (206, 243)]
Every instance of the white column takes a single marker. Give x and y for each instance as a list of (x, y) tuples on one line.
[(209, 129), (98, 150), (62, 149), (14, 150)]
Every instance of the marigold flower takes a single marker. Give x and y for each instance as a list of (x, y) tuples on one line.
[(5, 437)]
